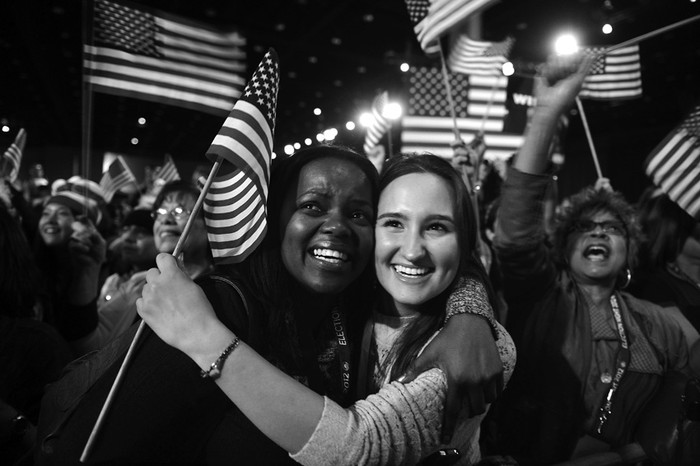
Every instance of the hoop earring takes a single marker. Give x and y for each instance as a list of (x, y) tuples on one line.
[(628, 278)]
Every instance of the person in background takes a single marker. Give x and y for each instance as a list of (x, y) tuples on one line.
[(71, 253), (669, 274), (32, 353), (425, 248), (592, 357), (116, 304)]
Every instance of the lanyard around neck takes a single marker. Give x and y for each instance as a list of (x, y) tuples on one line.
[(622, 362)]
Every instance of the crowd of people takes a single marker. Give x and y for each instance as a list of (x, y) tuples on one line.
[(377, 322)]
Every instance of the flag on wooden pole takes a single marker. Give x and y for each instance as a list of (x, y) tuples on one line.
[(615, 75), (433, 19), (168, 171), (379, 125), (117, 176), (674, 165), (469, 56), (235, 206), (13, 155)]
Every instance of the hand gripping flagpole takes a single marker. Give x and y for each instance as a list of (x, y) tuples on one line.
[(245, 139)]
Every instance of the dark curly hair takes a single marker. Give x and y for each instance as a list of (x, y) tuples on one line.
[(584, 204)]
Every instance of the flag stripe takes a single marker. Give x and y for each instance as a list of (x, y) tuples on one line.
[(380, 124)]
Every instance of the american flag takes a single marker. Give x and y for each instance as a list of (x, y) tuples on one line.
[(417, 12), (674, 165), (428, 124), (168, 171), (13, 155), (613, 76), (434, 18), (159, 57), (469, 56), (117, 176), (380, 124), (235, 206)]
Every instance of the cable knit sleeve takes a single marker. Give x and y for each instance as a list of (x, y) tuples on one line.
[(398, 425)]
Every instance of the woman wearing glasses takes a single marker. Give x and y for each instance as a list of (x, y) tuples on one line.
[(591, 357), (116, 308)]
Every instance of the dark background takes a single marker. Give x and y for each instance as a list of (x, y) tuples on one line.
[(336, 55)]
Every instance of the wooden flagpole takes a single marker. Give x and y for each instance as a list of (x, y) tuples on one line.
[(142, 326), (588, 136), (656, 32)]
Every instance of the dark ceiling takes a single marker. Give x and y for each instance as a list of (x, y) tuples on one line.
[(335, 55)]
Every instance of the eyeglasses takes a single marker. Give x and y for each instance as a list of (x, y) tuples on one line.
[(178, 213), (609, 227)]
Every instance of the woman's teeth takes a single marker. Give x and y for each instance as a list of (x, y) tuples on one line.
[(411, 271), (330, 255)]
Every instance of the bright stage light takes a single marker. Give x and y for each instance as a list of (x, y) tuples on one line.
[(607, 28), (366, 119), (565, 44), (508, 69), (392, 111)]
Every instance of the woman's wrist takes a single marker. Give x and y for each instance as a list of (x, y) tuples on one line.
[(206, 350)]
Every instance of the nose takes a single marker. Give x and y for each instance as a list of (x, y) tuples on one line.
[(598, 231), (336, 224), (413, 247)]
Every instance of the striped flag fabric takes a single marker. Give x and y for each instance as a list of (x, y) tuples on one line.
[(117, 176), (235, 206), (168, 171), (614, 76), (152, 55), (674, 165), (13, 156), (441, 16), (417, 12), (380, 124), (480, 106), (469, 56)]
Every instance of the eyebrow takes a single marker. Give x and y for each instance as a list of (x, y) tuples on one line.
[(445, 218)]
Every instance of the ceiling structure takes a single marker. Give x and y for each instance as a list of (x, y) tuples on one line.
[(335, 55)]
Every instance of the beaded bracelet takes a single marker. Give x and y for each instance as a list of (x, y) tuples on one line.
[(214, 371)]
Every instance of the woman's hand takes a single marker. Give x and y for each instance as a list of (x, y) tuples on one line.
[(179, 313), (466, 352)]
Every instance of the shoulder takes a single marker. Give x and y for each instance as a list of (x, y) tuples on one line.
[(232, 301)]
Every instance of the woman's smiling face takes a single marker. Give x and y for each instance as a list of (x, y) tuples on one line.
[(327, 223), (55, 224), (417, 254)]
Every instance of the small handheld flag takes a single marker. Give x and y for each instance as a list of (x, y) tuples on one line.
[(13, 155), (380, 123), (235, 207), (117, 176)]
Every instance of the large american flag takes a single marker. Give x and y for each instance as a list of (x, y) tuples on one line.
[(13, 155), (379, 125), (433, 19), (469, 56), (117, 176), (158, 57), (615, 75), (674, 165), (235, 206), (428, 124)]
